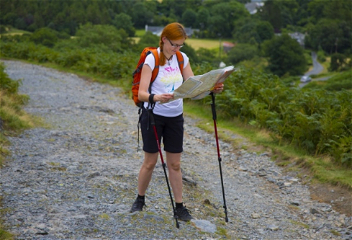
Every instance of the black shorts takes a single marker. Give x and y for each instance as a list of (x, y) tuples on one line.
[(169, 129)]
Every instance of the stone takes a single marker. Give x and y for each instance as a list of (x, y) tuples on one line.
[(204, 225)]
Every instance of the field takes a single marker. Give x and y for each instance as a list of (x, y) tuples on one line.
[(203, 43), (193, 42)]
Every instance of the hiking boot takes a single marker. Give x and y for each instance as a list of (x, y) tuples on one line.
[(137, 205), (183, 214)]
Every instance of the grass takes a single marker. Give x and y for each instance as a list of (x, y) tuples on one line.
[(203, 43), (13, 121), (15, 31), (193, 42)]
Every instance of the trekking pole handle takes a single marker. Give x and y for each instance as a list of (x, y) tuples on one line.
[(151, 117), (213, 105)]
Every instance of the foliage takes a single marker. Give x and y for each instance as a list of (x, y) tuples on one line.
[(148, 40), (206, 55), (12, 118), (312, 119), (124, 21), (285, 56), (321, 56), (279, 13), (45, 36), (251, 28), (242, 52), (327, 23), (339, 82), (189, 18), (338, 61), (7, 84), (102, 35), (220, 13), (191, 53)]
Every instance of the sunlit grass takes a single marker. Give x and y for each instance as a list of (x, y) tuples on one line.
[(15, 31), (193, 42), (203, 43), (14, 119)]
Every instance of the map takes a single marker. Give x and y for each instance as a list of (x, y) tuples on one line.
[(200, 86)]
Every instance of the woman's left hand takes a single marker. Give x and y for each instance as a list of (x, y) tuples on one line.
[(218, 88)]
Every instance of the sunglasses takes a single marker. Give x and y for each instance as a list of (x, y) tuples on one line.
[(175, 45)]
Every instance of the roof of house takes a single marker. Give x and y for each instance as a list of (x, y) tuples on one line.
[(228, 44)]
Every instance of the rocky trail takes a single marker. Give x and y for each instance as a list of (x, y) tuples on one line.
[(77, 178)]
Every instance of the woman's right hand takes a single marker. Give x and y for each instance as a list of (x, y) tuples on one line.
[(163, 98)]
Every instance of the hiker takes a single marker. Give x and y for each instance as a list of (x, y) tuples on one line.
[(168, 116)]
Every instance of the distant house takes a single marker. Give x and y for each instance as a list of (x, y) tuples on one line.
[(227, 46), (299, 37), (253, 6), (156, 30)]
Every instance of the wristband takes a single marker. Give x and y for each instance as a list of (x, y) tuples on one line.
[(151, 98)]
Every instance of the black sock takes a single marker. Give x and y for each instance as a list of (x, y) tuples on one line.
[(141, 197), (179, 205)]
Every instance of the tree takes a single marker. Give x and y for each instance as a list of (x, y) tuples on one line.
[(337, 61), (285, 56), (223, 17), (203, 18), (271, 13), (140, 15), (124, 21), (242, 52), (44, 36), (191, 53), (148, 40), (279, 13), (265, 31), (189, 18), (93, 13), (207, 55), (326, 35), (104, 36)]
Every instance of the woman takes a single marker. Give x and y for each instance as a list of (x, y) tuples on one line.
[(168, 116)]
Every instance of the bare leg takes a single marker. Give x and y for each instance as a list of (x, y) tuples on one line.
[(146, 171), (175, 175)]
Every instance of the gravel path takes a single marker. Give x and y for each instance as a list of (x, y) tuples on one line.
[(77, 179)]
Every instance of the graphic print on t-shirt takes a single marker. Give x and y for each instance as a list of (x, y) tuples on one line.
[(171, 79)]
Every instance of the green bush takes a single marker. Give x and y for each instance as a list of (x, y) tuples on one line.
[(339, 82), (7, 84), (321, 56), (242, 52), (44, 36), (313, 119)]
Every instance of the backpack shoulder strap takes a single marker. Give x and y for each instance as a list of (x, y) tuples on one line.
[(156, 67), (180, 60)]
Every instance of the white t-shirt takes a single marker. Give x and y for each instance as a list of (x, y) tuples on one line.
[(169, 78)]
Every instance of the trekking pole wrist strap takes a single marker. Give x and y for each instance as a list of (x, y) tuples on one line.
[(151, 98)]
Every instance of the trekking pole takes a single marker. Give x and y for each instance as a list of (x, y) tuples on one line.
[(219, 157), (152, 122)]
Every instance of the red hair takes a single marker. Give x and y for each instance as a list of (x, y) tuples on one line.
[(172, 31)]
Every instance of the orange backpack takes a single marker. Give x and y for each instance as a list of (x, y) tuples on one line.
[(138, 71)]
